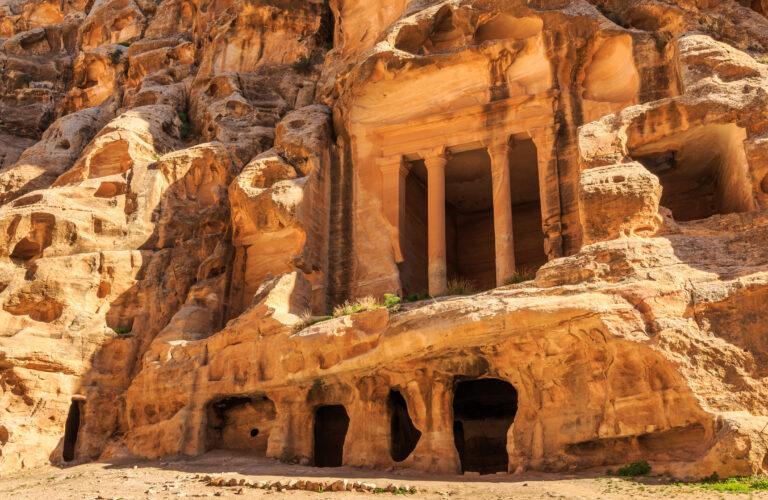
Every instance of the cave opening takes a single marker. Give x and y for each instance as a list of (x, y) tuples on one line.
[(483, 411), (404, 436), (703, 171), (71, 430), (331, 424), (241, 423)]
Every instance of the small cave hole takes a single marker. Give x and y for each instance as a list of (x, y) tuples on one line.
[(403, 434), (254, 433), (483, 411), (331, 424)]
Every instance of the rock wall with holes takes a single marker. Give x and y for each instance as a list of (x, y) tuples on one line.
[(187, 187)]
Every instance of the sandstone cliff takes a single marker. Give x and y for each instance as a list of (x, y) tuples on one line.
[(188, 188)]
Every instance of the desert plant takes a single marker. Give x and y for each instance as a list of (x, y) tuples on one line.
[(391, 300), (24, 79), (302, 66), (185, 131), (632, 470), (415, 297), (662, 39), (730, 485), (115, 56), (125, 44), (461, 286), (762, 59), (122, 331), (521, 275)]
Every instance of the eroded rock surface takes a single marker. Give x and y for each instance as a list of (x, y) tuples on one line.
[(188, 189)]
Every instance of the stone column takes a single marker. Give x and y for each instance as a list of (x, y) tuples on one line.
[(502, 212), (393, 174), (437, 271)]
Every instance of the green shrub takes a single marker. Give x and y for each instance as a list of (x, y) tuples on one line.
[(185, 131), (122, 331), (391, 300), (415, 297), (303, 66), (730, 485), (632, 470), (125, 44), (762, 59), (115, 57)]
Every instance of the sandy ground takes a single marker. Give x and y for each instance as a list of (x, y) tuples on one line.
[(181, 479)]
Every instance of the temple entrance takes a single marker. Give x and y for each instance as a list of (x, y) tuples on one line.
[(240, 423), (403, 435), (470, 244), (526, 207), (331, 424), (413, 269), (703, 171), (483, 411), (71, 429)]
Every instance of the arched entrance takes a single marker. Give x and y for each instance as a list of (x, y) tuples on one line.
[(483, 411), (331, 424)]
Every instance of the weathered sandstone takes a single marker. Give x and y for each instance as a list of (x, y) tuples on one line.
[(188, 189)]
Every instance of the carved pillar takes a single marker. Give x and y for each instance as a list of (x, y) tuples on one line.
[(437, 271), (502, 212), (393, 174)]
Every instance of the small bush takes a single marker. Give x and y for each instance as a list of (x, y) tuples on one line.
[(461, 286), (391, 300), (115, 57), (24, 79), (762, 59), (369, 303), (303, 66), (185, 131), (662, 39), (521, 275), (632, 470), (415, 297), (125, 44), (122, 331)]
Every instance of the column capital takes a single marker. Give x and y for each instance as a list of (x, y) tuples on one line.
[(393, 165), (436, 159), (498, 148)]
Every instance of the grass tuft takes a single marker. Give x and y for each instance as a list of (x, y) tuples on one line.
[(521, 275), (115, 57), (461, 286), (185, 131)]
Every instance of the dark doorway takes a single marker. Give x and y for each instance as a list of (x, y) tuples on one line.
[(71, 429), (469, 233), (403, 435), (526, 206), (331, 424), (413, 269), (483, 410)]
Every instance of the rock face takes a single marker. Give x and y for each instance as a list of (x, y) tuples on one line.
[(187, 189)]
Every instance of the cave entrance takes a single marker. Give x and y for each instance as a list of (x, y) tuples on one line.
[(331, 424), (71, 430), (703, 171), (469, 234), (403, 434), (241, 423), (526, 207), (483, 411)]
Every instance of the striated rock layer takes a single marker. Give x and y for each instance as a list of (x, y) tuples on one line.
[(188, 188)]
